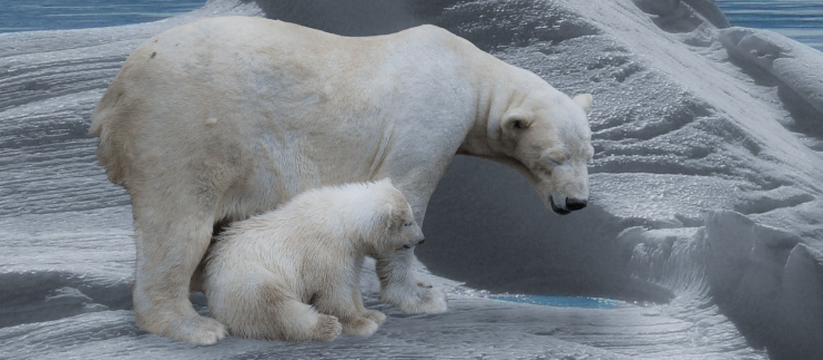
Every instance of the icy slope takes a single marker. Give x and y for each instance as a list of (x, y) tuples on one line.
[(706, 194)]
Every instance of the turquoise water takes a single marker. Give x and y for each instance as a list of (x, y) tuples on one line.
[(28, 15), (562, 301), (801, 20)]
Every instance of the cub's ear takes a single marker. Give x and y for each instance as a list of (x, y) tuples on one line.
[(514, 120), (584, 100), (384, 181), (383, 213)]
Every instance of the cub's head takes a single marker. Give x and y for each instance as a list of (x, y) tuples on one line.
[(394, 220), (546, 137)]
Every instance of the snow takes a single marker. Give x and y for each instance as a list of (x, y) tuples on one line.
[(705, 222)]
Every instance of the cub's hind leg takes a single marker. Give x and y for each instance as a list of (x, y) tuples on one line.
[(274, 314)]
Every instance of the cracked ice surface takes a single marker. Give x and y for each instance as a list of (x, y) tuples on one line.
[(705, 214)]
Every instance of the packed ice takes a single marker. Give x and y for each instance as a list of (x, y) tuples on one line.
[(705, 222)]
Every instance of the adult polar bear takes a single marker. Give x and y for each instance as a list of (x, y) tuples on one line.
[(224, 118)]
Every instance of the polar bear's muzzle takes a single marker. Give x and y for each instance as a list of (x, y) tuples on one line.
[(570, 205)]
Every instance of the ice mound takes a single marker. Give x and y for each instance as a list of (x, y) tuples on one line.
[(706, 209), (763, 278), (766, 280)]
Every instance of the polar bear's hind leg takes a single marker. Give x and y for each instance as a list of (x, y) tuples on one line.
[(168, 252)]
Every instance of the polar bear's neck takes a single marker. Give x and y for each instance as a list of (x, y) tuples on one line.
[(498, 92)]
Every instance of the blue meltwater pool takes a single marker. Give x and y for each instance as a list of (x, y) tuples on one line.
[(562, 301)]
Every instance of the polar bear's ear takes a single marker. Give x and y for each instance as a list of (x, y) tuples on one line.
[(584, 100), (516, 119)]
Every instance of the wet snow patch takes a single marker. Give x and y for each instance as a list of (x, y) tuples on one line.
[(38, 296)]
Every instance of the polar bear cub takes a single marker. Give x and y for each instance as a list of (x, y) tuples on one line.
[(293, 273)]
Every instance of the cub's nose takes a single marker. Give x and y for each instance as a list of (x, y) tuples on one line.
[(576, 204), (421, 241)]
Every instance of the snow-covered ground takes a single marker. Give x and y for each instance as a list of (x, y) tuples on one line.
[(706, 215)]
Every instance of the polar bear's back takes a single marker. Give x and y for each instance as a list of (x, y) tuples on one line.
[(261, 55), (238, 92)]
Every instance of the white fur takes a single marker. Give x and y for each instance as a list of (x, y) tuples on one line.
[(225, 118), (274, 275)]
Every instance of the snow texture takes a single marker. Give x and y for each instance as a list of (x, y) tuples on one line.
[(706, 214)]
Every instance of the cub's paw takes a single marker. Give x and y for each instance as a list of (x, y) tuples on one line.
[(360, 326), (416, 299), (327, 329), (375, 316)]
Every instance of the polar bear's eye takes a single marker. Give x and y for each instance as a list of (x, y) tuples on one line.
[(556, 160), (407, 224), (554, 156)]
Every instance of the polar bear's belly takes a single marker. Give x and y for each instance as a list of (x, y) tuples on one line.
[(281, 172)]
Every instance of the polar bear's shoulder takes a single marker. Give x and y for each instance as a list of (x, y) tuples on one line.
[(433, 34), (429, 31)]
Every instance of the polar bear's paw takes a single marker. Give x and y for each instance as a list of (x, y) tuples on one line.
[(327, 329), (361, 326), (375, 316), (420, 298), (210, 331), (194, 329)]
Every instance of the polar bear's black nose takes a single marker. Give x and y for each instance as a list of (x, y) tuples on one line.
[(575, 204), (421, 241)]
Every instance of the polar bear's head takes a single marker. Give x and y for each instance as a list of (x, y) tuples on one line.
[(394, 220), (548, 136)]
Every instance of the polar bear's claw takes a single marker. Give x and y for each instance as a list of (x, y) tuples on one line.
[(209, 333), (419, 300)]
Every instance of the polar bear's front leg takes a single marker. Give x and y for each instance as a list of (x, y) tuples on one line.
[(398, 286)]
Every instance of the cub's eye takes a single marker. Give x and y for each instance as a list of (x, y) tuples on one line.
[(407, 224)]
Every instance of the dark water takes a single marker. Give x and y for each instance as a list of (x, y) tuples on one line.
[(28, 15), (801, 20)]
